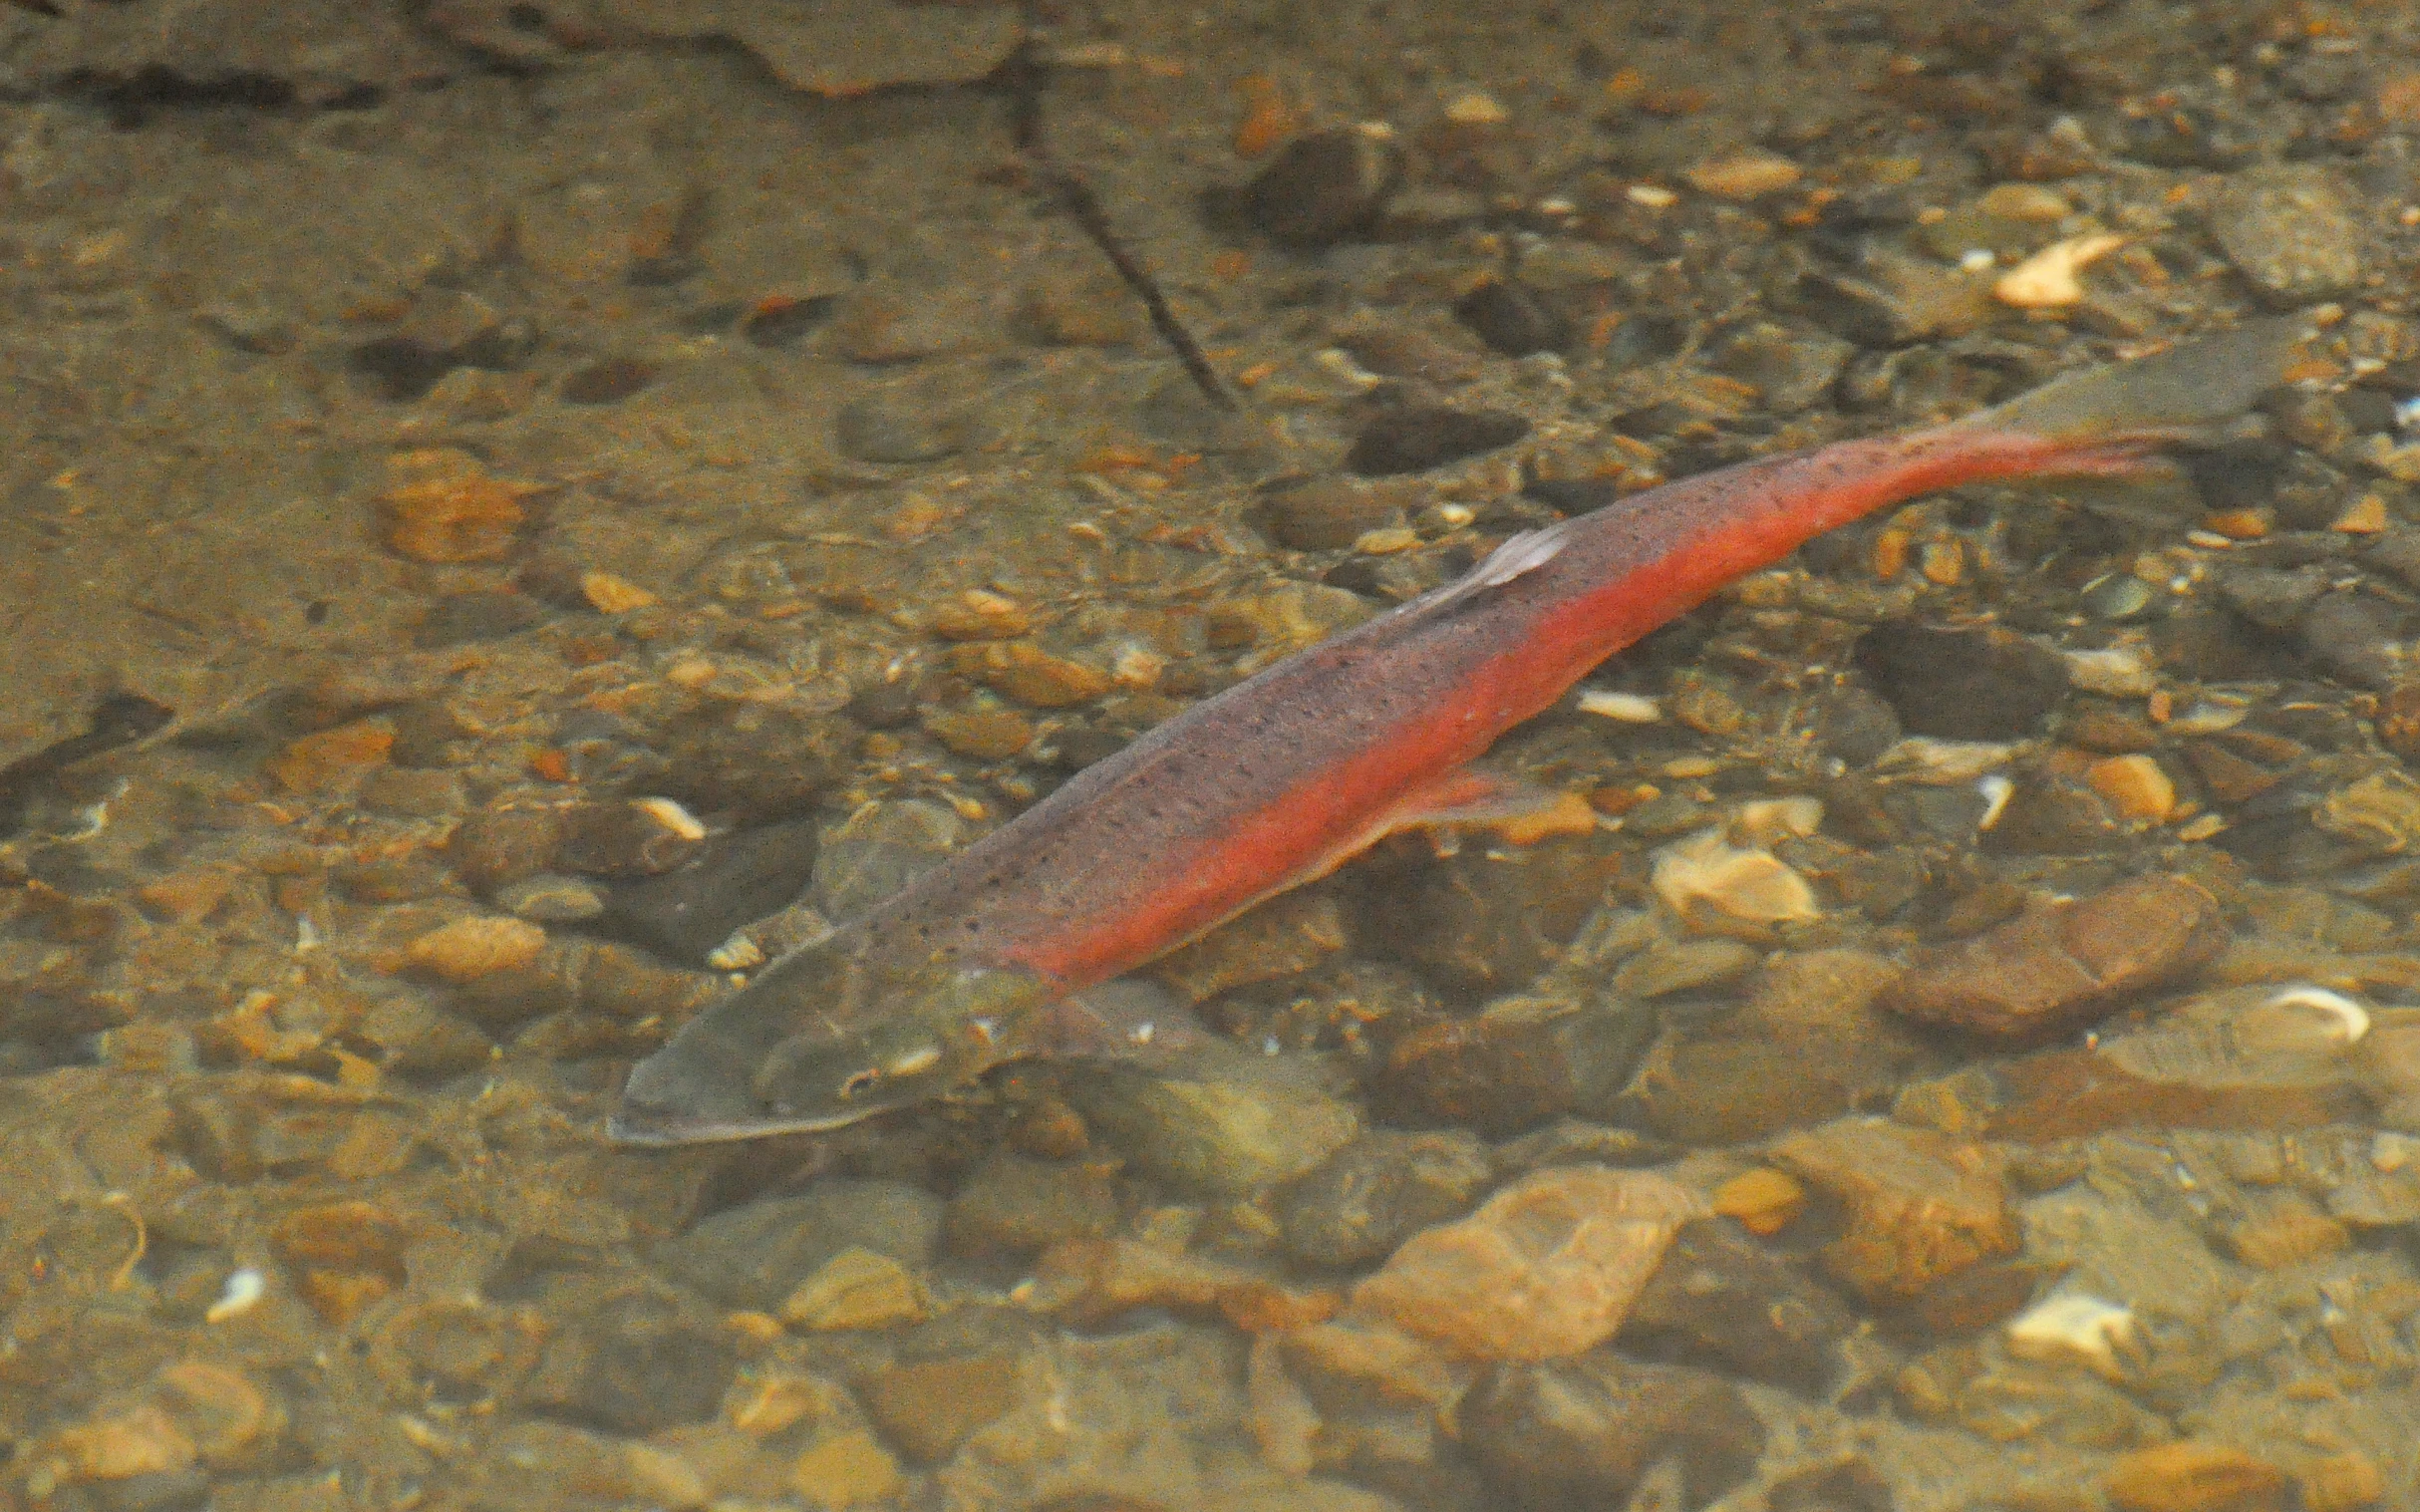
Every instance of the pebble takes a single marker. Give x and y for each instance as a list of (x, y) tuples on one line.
[(1519, 1063), (633, 1364), (2292, 230), (1793, 369), (343, 1256), (1325, 188), (1720, 1297), (979, 733), (1547, 1267), (1375, 1192), (1587, 1432), (1013, 1204), (845, 1472), (857, 1289), (326, 759), (1415, 438), (1921, 1207), (468, 949), (1094, 1280), (2191, 1475), (1962, 685), (441, 506), (732, 879), (1893, 300), (2059, 966), (1490, 917), (1326, 515), (1762, 1201), (1743, 174), (1231, 1122), (640, 837), (930, 1407), (1512, 319), (1707, 873), (2135, 786), (755, 1256), (1023, 670)]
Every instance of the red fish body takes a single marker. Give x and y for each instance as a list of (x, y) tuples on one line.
[(1285, 775)]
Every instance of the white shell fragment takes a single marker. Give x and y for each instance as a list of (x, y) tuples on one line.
[(243, 1292), (2047, 280), (1624, 708), (1996, 790), (2341, 1019), (1753, 885), (2078, 1326)]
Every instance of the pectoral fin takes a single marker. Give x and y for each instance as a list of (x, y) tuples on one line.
[(1522, 814)]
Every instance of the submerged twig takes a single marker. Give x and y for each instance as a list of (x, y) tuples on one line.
[(1020, 78)]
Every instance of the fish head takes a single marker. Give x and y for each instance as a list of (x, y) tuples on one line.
[(775, 1059)]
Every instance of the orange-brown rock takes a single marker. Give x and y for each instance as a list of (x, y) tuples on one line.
[(443, 505), (1546, 1267), (2061, 966), (1922, 1206)]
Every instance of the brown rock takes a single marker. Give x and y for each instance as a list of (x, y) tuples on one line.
[(857, 1289), (1025, 672), (849, 1471), (1284, 936), (1548, 1266), (931, 1408), (2059, 966), (980, 735), (2191, 1476), (327, 758), (1921, 1206), (1094, 1279)]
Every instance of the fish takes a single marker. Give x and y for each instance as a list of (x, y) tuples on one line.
[(1003, 949)]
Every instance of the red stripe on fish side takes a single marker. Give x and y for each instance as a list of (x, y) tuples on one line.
[(1747, 522)]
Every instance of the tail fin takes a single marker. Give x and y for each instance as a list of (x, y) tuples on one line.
[(2175, 393)]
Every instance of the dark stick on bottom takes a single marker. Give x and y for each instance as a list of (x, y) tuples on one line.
[(1021, 77)]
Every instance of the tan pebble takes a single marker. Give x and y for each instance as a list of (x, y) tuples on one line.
[(850, 1470), (1547, 1267), (223, 1413), (1029, 675), (979, 615), (468, 949), (2025, 201), (2341, 1483), (666, 1479), (143, 1441), (2048, 279), (1475, 108), (1751, 885), (442, 506), (2247, 524), (1284, 1421), (1388, 541), (182, 897), (2287, 1235), (1764, 1201), (2193, 1476), (775, 1403), (1943, 562), (2135, 785), (1743, 174), (857, 1289), (608, 594), (982, 734), (327, 758), (2365, 515)]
